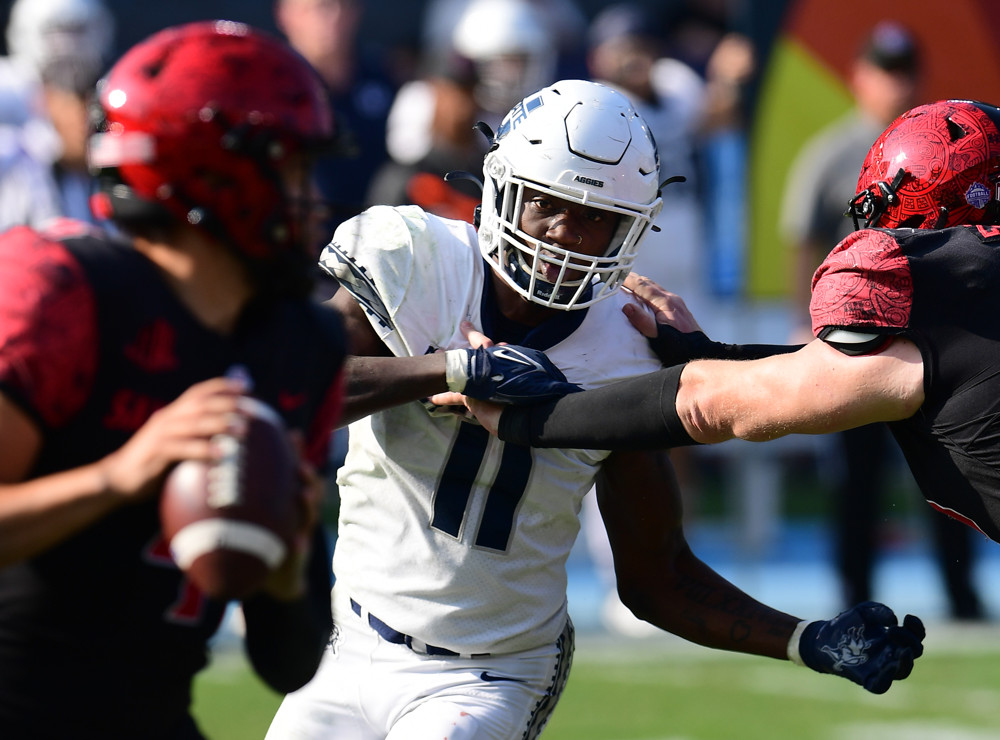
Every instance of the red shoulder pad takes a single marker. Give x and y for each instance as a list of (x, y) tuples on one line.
[(864, 282), (48, 343)]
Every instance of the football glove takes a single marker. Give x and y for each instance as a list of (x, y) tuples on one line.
[(675, 347), (864, 644), (506, 373)]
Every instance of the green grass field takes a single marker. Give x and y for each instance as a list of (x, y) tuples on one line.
[(663, 689)]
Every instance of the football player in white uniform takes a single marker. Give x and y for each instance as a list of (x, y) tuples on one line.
[(450, 594)]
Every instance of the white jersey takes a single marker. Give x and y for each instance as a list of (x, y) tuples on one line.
[(446, 533)]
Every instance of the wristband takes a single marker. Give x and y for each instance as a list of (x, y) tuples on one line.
[(456, 373), (793, 642)]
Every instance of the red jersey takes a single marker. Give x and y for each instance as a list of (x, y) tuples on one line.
[(101, 635), (941, 290)]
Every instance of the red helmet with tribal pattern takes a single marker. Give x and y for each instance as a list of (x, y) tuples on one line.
[(197, 123), (936, 165)]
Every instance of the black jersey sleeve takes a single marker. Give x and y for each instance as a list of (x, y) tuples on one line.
[(636, 414), (285, 640)]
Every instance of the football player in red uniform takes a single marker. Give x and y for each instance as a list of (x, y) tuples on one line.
[(121, 357)]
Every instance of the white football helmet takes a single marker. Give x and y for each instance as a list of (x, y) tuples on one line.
[(42, 32), (583, 142), (513, 50)]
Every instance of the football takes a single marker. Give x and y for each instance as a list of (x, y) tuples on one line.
[(229, 522)]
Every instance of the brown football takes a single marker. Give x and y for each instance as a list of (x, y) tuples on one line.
[(230, 522)]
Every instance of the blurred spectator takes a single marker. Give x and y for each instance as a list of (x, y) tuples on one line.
[(695, 28), (626, 53), (58, 49), (499, 51), (565, 23), (361, 90), (625, 50), (513, 49), (729, 74), (508, 49), (884, 83), (700, 33), (445, 97)]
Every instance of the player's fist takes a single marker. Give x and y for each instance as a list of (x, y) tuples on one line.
[(864, 644)]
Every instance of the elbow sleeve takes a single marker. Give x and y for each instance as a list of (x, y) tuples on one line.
[(636, 414)]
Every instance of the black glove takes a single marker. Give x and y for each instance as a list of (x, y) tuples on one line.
[(506, 373), (675, 347), (864, 644)]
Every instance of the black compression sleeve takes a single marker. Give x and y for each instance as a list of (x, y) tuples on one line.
[(749, 351), (285, 640), (675, 347), (636, 414)]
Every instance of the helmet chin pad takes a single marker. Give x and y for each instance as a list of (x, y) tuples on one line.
[(527, 275)]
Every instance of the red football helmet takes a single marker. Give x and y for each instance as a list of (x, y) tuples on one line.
[(197, 122), (936, 165)]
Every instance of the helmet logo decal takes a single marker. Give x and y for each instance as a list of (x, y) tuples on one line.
[(518, 113), (589, 181), (978, 195)]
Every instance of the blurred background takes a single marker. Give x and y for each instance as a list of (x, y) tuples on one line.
[(736, 93)]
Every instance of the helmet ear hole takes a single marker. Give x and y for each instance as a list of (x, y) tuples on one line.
[(954, 130)]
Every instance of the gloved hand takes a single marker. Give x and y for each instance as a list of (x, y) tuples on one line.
[(506, 373), (864, 644), (675, 347)]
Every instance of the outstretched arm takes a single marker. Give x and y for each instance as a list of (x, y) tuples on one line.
[(376, 380), (814, 390), (673, 333), (663, 582), (373, 378)]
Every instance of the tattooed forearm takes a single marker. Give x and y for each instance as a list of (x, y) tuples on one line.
[(715, 612)]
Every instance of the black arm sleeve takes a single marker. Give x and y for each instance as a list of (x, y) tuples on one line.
[(285, 639), (636, 414), (722, 351), (675, 347)]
